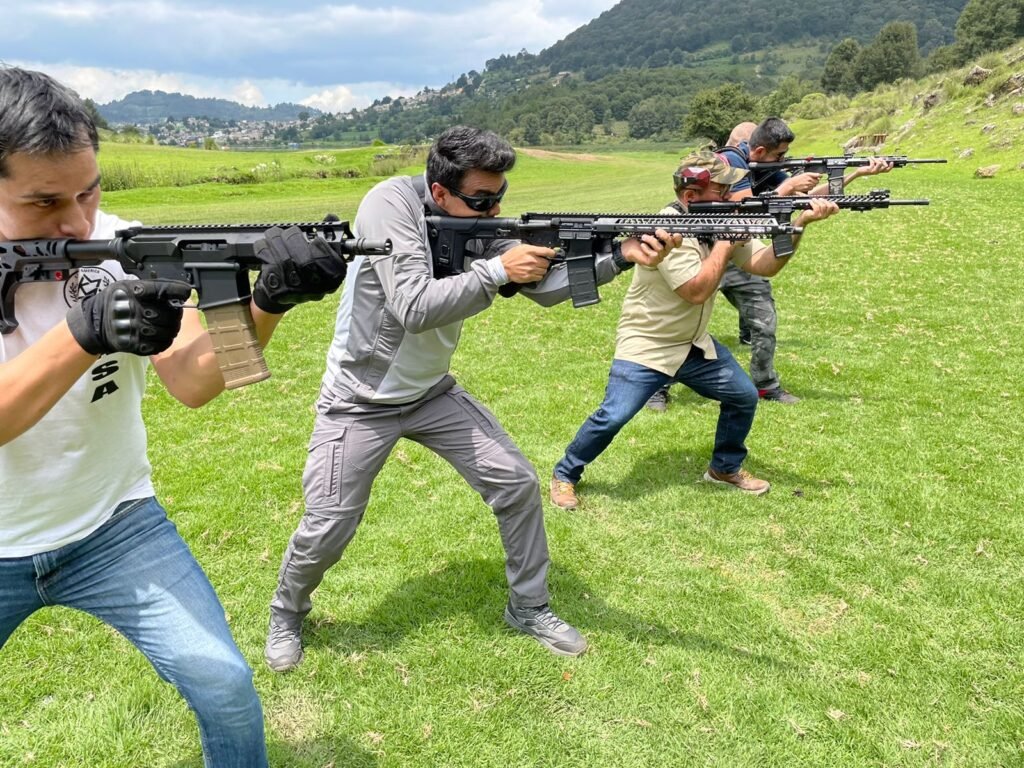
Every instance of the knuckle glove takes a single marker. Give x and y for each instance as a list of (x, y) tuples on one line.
[(140, 317), (295, 270)]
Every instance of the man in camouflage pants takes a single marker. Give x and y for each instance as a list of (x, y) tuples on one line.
[(750, 294)]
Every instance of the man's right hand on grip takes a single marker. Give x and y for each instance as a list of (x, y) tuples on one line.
[(140, 317)]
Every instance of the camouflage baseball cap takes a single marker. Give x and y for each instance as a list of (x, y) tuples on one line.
[(698, 169)]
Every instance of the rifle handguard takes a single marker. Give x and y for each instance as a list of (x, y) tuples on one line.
[(238, 351)]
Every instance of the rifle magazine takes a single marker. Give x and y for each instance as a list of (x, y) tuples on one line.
[(238, 351)]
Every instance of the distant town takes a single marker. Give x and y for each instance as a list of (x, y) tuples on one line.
[(284, 125), (204, 133)]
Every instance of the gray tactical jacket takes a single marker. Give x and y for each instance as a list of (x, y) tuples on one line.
[(397, 326)]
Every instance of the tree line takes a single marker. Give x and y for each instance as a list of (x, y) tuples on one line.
[(984, 25)]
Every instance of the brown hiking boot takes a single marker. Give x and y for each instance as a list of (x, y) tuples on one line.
[(741, 480), (563, 494)]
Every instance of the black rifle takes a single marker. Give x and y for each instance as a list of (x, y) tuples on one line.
[(782, 206), (577, 236), (834, 166), (214, 259)]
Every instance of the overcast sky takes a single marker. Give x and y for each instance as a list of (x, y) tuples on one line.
[(332, 56)]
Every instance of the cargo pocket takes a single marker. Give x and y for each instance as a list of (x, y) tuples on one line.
[(321, 479), (483, 417), (494, 443)]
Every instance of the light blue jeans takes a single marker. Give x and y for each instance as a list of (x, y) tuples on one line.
[(629, 387), (136, 574)]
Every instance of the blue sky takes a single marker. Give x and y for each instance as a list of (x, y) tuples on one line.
[(333, 56)]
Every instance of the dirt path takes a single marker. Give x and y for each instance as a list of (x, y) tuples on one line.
[(563, 155)]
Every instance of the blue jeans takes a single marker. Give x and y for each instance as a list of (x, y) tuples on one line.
[(629, 387), (136, 574)]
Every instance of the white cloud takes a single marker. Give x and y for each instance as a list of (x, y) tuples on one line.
[(337, 99), (264, 51), (72, 11), (249, 94), (342, 98), (103, 85)]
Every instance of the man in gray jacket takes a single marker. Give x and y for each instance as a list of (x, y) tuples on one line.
[(387, 378)]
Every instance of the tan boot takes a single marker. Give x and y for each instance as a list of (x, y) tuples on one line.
[(563, 494), (742, 480)]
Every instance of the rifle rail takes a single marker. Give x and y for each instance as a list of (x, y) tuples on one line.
[(214, 259)]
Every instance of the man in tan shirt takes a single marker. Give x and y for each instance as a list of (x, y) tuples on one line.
[(662, 338)]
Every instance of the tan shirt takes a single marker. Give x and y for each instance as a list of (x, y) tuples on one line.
[(657, 326)]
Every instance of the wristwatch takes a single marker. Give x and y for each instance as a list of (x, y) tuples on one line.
[(620, 261)]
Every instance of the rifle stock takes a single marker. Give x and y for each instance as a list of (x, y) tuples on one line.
[(215, 260)]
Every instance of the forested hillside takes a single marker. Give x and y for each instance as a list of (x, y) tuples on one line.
[(144, 107), (656, 33), (634, 70)]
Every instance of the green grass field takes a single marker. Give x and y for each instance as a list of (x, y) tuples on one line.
[(867, 612)]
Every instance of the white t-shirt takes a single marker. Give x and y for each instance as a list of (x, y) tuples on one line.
[(63, 478)]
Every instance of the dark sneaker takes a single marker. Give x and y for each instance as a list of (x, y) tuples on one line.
[(742, 480), (659, 400), (547, 629), (283, 651), (779, 395), (745, 338), (563, 494)]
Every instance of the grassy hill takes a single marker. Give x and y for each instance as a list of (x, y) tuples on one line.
[(938, 116)]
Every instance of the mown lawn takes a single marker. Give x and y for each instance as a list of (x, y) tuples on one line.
[(867, 612)]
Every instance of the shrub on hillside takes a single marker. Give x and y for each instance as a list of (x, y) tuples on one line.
[(987, 25), (815, 105)]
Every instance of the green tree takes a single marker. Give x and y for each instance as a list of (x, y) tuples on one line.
[(530, 125), (987, 25), (651, 117), (789, 92), (660, 58), (838, 75), (209, 143), (94, 113), (945, 57), (714, 112), (892, 55)]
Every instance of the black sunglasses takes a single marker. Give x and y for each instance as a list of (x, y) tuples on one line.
[(481, 203)]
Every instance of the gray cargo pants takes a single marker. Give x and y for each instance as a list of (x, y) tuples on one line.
[(752, 297), (349, 445)]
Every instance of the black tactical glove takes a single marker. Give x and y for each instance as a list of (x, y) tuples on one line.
[(141, 317), (295, 270)]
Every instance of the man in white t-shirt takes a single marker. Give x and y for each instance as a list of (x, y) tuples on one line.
[(79, 524)]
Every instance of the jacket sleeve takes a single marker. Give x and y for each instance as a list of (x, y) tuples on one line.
[(554, 288)]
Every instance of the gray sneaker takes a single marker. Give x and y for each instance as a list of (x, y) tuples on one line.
[(659, 400), (283, 651), (547, 629), (779, 395)]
